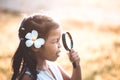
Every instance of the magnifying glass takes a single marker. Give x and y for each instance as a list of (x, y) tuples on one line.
[(68, 43)]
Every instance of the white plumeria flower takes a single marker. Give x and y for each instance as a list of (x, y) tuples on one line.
[(32, 39)]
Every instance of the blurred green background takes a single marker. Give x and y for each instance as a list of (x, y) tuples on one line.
[(94, 25)]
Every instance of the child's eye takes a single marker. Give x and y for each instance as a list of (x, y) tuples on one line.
[(55, 41)]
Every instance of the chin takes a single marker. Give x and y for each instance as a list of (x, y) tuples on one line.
[(53, 59)]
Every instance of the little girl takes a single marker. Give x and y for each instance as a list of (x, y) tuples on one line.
[(39, 47)]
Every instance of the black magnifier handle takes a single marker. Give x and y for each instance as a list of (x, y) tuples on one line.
[(68, 48)]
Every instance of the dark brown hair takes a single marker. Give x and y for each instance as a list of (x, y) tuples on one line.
[(24, 57)]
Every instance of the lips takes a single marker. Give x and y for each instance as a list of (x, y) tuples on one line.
[(58, 53)]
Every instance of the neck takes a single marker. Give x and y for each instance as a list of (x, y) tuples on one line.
[(41, 64)]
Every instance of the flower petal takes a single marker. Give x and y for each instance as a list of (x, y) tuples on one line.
[(28, 36), (39, 42), (34, 34), (29, 43)]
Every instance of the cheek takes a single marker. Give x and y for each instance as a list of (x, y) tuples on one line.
[(51, 48)]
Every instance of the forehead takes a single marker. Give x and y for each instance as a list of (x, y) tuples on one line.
[(55, 33)]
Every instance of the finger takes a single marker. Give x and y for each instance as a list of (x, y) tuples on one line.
[(72, 51), (75, 54), (75, 57), (71, 58)]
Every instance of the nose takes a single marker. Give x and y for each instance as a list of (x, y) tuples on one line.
[(59, 45)]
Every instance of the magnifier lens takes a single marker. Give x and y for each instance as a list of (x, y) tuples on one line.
[(68, 41)]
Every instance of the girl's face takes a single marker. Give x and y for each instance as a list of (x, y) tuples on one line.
[(51, 49)]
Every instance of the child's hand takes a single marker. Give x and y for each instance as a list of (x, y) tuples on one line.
[(74, 57)]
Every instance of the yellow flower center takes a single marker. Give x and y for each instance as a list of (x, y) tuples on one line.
[(33, 39)]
